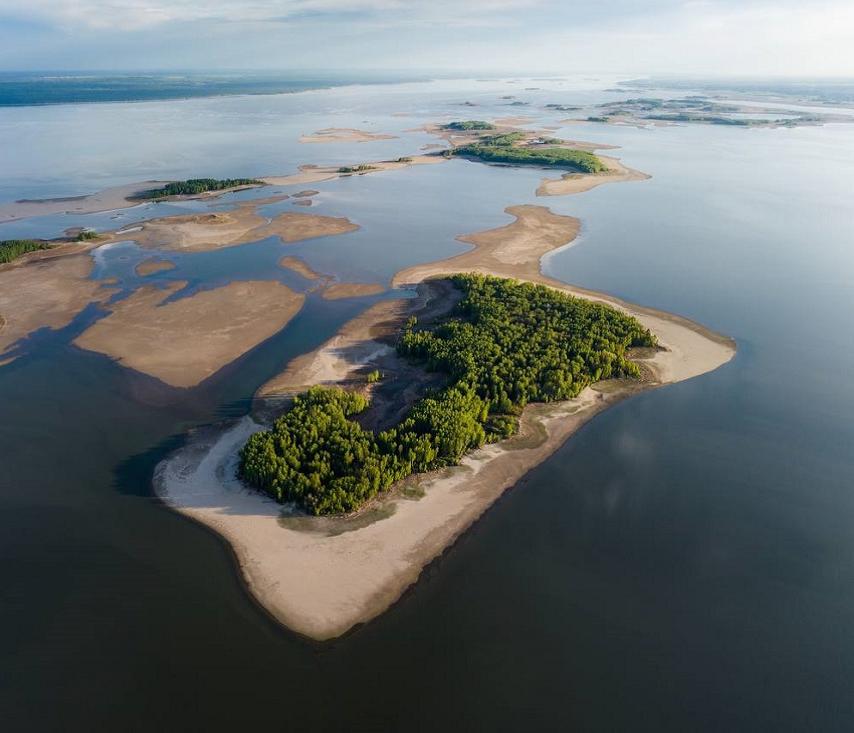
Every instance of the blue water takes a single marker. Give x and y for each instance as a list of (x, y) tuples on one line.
[(684, 563)]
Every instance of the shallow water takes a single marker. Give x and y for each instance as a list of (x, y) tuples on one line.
[(685, 562)]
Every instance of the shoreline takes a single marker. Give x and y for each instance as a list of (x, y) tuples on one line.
[(321, 577)]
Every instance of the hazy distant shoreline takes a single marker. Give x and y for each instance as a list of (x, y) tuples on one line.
[(51, 88)]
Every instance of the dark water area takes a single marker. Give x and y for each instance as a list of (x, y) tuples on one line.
[(684, 563)]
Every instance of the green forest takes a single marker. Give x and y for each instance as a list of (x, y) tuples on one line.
[(11, 249), (195, 186), (505, 344), (490, 152)]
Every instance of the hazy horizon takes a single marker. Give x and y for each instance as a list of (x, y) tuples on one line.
[(699, 38)]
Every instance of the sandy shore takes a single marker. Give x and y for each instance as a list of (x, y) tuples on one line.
[(185, 341), (153, 265), (571, 183), (45, 290), (344, 135), (322, 576)]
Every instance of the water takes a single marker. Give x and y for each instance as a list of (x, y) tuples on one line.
[(685, 562)]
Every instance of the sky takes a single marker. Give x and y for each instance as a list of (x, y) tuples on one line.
[(799, 38)]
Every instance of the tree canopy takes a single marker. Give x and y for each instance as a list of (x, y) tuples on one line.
[(195, 186), (506, 344), (11, 249)]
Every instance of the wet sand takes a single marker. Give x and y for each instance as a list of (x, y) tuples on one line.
[(46, 290), (185, 341)]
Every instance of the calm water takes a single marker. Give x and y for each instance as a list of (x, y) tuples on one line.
[(686, 562)]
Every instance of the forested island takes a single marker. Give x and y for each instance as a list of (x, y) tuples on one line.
[(195, 186), (504, 345), (11, 249), (502, 149)]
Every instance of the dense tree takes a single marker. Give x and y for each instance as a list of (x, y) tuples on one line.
[(11, 249), (195, 186), (489, 152), (506, 344)]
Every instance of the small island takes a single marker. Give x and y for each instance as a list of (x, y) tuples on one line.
[(506, 344)]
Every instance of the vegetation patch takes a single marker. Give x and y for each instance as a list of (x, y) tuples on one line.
[(11, 249), (506, 344), (466, 125), (195, 186), (552, 157)]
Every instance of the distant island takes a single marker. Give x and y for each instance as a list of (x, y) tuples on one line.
[(506, 344), (196, 186)]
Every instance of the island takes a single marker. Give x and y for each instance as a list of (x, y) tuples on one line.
[(506, 344)]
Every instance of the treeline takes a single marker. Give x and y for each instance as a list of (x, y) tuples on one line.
[(579, 160), (11, 249), (506, 344), (469, 125), (194, 186)]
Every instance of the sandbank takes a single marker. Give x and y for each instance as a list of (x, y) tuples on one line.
[(344, 135), (185, 341), (117, 197), (571, 183), (299, 267), (210, 231), (153, 265), (46, 289), (336, 291), (317, 174)]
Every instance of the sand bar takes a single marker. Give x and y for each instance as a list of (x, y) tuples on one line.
[(153, 265), (185, 341), (210, 231), (117, 197), (337, 291), (571, 183), (46, 290), (316, 174), (344, 135)]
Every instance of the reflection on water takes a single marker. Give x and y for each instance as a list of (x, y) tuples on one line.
[(686, 560)]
